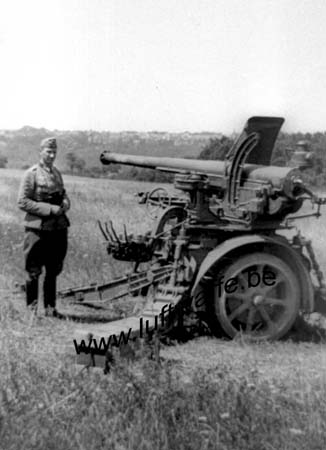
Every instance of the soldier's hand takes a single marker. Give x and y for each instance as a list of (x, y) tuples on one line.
[(56, 210), (65, 205)]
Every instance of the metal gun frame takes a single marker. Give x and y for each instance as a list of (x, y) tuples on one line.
[(225, 225)]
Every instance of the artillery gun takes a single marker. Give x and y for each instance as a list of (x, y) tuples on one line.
[(220, 248)]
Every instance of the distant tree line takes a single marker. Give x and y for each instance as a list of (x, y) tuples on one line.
[(79, 151), (215, 149), (21, 146)]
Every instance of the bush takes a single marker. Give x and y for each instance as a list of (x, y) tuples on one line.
[(217, 148)]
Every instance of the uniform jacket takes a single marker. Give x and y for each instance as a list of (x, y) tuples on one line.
[(37, 190)]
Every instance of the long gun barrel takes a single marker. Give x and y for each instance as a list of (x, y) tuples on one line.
[(281, 178), (169, 164)]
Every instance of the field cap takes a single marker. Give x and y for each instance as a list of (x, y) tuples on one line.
[(50, 142)]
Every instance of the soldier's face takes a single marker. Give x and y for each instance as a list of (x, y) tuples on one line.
[(48, 155)]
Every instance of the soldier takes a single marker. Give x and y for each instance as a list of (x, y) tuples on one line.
[(43, 197)]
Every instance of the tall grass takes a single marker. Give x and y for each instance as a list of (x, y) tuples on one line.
[(206, 395)]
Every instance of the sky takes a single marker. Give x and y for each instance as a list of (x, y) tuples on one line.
[(172, 65)]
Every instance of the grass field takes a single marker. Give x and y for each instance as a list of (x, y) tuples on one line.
[(207, 394)]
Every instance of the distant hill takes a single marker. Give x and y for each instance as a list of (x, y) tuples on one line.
[(21, 146), (20, 149)]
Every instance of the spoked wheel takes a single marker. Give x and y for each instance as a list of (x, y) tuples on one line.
[(157, 199), (167, 229), (261, 301)]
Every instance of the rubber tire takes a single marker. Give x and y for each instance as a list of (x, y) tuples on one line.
[(250, 260)]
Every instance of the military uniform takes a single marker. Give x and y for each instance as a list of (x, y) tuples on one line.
[(41, 195)]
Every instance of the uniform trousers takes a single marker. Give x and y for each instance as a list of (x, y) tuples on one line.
[(44, 249)]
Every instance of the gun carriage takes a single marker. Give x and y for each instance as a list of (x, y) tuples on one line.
[(221, 247)]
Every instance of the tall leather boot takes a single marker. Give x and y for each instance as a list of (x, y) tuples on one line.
[(49, 292), (32, 292)]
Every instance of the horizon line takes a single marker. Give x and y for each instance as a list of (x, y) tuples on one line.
[(91, 130)]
